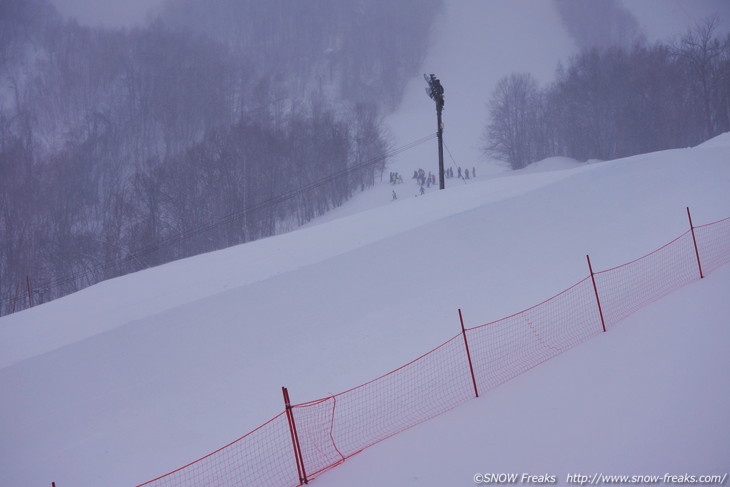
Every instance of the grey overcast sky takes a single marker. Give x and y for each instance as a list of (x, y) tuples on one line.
[(110, 13), (660, 18), (468, 53)]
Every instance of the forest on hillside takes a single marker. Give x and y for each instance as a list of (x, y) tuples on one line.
[(614, 101), (220, 122)]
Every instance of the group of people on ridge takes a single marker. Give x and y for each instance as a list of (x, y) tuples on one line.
[(426, 180)]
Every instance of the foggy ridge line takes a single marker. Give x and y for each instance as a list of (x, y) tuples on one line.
[(229, 218), (233, 216)]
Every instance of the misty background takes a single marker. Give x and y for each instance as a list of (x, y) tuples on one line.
[(135, 133)]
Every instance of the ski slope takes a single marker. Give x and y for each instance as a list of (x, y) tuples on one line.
[(476, 43), (134, 377), (647, 399)]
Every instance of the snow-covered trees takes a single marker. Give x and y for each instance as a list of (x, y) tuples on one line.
[(705, 60), (220, 122), (514, 114), (614, 102)]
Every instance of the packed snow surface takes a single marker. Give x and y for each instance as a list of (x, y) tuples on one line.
[(136, 376)]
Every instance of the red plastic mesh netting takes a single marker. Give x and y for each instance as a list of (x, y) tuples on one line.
[(629, 287), (339, 426), (713, 242), (508, 347), (261, 457), (336, 427)]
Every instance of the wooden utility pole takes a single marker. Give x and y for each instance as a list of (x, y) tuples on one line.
[(436, 92)]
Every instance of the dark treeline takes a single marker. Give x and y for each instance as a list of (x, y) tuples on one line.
[(219, 123), (614, 102)]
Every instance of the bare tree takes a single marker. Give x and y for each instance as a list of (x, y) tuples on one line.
[(368, 144), (513, 120), (702, 55), (222, 122)]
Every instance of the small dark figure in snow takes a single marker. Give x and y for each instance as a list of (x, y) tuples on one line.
[(473, 172), (466, 174), (395, 196), (458, 174), (422, 190)]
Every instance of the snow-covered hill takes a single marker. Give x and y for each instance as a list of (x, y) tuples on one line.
[(136, 376), (648, 399)]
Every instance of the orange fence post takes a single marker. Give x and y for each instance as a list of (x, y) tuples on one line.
[(468, 355), (595, 289), (294, 438), (697, 252)]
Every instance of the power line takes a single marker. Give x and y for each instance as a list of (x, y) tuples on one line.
[(452, 157), (227, 219)]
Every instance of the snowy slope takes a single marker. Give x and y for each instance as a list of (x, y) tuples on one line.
[(134, 377), (475, 43), (649, 398)]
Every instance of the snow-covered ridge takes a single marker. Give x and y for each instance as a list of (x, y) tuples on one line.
[(146, 293), (135, 376)]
